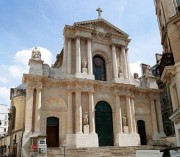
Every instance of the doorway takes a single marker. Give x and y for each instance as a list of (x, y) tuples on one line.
[(52, 132), (142, 131), (104, 123)]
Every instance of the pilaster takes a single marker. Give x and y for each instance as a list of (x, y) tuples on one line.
[(38, 111), (69, 114), (129, 114), (29, 109), (78, 56), (154, 119), (91, 113), (124, 62), (69, 57), (78, 113), (134, 128), (114, 60), (90, 71)]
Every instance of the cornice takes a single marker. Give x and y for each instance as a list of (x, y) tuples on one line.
[(167, 73)]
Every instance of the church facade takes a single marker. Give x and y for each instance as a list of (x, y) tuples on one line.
[(88, 97)]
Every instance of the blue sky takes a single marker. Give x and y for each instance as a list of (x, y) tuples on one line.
[(25, 24)]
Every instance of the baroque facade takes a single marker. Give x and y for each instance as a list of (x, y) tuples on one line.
[(168, 14), (88, 97)]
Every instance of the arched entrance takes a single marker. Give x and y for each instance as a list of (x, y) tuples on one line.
[(142, 131), (104, 123), (52, 132), (99, 69)]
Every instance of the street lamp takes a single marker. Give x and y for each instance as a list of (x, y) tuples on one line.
[(64, 145)]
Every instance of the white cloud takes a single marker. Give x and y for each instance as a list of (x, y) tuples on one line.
[(13, 73), (135, 68), (5, 95), (22, 58)]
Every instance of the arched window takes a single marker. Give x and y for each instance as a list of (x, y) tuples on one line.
[(99, 70)]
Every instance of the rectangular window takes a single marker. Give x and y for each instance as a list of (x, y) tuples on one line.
[(178, 2)]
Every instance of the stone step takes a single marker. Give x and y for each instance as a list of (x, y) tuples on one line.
[(97, 152)]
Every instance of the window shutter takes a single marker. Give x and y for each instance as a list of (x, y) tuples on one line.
[(171, 8)]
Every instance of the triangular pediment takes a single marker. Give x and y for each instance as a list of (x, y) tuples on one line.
[(101, 25)]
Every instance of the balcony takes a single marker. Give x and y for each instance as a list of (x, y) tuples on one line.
[(166, 60)]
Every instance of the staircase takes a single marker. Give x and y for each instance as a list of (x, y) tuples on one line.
[(96, 152)]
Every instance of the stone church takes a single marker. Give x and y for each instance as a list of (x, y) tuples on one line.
[(88, 97)]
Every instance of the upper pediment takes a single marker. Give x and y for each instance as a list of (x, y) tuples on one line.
[(102, 26)]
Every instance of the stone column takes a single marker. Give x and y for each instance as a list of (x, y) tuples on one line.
[(90, 71), (29, 109), (38, 111), (69, 57), (133, 116), (129, 114), (114, 60), (78, 56), (153, 115), (159, 115), (124, 63), (91, 113), (69, 114), (127, 63), (118, 119), (78, 113)]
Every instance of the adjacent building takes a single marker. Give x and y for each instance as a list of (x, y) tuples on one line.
[(4, 110), (168, 14)]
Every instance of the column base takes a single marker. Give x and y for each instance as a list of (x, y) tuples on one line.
[(84, 75), (122, 139), (157, 136), (82, 140)]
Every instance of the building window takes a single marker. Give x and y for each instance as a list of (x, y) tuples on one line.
[(99, 68), (4, 129), (5, 123), (5, 117)]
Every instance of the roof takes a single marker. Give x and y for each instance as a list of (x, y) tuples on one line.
[(100, 20), (21, 86)]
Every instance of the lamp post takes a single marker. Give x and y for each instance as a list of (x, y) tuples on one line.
[(64, 145)]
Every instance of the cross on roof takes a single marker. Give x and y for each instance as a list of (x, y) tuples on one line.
[(99, 12)]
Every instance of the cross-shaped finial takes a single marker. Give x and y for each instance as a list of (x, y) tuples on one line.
[(99, 12)]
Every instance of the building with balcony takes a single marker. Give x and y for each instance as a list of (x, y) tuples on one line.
[(168, 15)]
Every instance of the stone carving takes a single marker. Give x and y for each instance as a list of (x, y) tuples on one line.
[(84, 63), (85, 119), (124, 120), (36, 54), (120, 70)]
